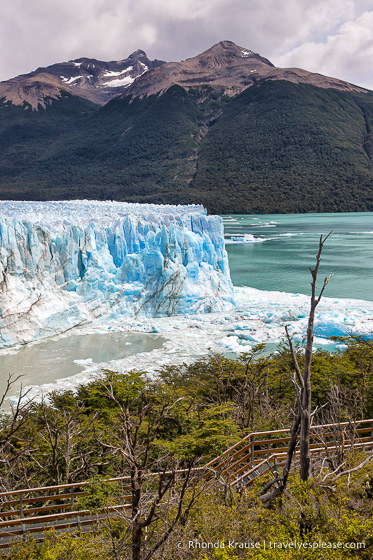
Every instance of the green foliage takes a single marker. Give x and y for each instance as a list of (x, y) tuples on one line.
[(99, 494), (209, 435), (288, 148), (276, 147), (204, 408), (308, 513), (66, 546)]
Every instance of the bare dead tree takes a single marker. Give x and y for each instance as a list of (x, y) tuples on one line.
[(240, 383), (302, 384), (343, 407), (11, 423), (61, 443), (157, 494), (354, 469)]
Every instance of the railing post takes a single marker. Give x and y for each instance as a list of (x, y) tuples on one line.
[(72, 508), (252, 451), (23, 526)]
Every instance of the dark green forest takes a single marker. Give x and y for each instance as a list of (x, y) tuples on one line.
[(277, 147)]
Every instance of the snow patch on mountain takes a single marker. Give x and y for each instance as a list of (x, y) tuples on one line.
[(125, 80), (111, 74), (70, 81)]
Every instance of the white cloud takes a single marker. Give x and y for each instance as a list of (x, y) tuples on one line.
[(346, 54), (315, 35)]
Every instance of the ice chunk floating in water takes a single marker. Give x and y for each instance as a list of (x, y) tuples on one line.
[(68, 263)]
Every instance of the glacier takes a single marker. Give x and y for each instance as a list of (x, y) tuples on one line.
[(258, 317), (65, 264)]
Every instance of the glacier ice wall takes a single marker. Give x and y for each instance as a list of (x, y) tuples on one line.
[(67, 263)]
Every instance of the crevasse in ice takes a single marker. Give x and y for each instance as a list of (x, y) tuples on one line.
[(67, 263)]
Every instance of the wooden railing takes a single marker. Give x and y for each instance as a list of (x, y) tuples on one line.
[(256, 448), (33, 510), (56, 507)]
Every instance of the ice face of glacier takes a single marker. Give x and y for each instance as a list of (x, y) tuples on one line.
[(67, 263)]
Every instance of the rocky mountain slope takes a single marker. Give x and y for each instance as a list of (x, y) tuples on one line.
[(225, 129), (229, 68), (92, 79)]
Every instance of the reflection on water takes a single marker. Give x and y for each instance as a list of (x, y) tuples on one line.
[(53, 359)]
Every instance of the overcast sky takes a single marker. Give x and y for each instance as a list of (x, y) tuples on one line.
[(333, 37)]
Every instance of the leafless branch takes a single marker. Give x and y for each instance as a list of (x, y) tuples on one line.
[(367, 460)]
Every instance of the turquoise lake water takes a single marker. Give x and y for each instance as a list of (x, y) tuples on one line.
[(50, 360), (281, 248), (276, 256)]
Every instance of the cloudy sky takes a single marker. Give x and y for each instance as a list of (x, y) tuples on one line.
[(333, 37)]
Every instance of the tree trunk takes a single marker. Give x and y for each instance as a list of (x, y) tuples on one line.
[(305, 394), (136, 541), (303, 381), (305, 425), (137, 529), (302, 384)]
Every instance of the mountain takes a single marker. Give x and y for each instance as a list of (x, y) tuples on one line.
[(226, 129), (228, 68), (89, 78)]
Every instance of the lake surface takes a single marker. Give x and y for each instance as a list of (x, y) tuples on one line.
[(276, 256), (281, 248), (51, 359)]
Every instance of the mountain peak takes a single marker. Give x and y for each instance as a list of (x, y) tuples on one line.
[(226, 52), (228, 68), (93, 79), (137, 54), (227, 46), (224, 66)]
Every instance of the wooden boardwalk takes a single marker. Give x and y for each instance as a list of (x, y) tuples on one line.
[(31, 511)]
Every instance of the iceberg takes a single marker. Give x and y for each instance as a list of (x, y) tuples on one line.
[(188, 337), (65, 264)]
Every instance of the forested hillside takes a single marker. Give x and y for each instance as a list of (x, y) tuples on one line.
[(276, 147)]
